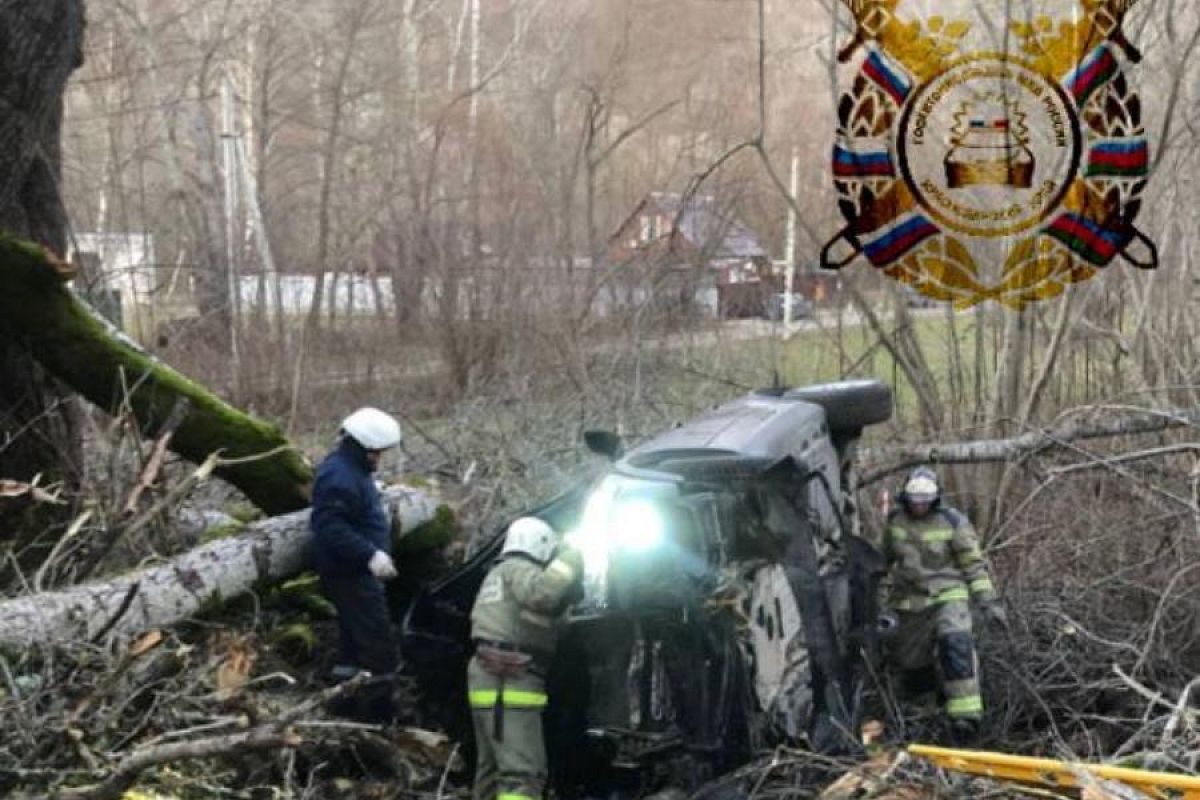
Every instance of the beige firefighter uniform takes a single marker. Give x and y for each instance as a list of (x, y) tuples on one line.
[(514, 626), (935, 568)]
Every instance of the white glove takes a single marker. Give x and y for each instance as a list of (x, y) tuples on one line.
[(382, 566)]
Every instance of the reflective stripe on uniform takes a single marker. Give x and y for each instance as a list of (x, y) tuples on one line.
[(937, 535), (899, 534), (957, 593), (982, 585), (963, 706), (921, 602), (513, 698), (562, 568), (513, 796), (518, 698)]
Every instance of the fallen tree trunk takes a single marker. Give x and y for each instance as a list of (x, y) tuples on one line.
[(1088, 423), (86, 352), (160, 595)]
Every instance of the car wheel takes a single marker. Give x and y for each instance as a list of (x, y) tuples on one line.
[(849, 405)]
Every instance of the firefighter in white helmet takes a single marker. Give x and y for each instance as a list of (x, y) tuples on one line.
[(936, 568), (514, 627), (352, 554)]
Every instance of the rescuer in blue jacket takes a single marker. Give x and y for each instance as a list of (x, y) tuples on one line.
[(351, 552)]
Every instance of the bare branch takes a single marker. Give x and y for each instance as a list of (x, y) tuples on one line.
[(272, 735), (1087, 423)]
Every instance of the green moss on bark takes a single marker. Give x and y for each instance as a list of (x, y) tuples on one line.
[(81, 349), (432, 535), (221, 532), (244, 512), (303, 593)]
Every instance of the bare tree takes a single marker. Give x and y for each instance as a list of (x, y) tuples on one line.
[(44, 46)]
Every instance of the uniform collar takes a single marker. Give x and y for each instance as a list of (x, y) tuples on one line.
[(353, 452)]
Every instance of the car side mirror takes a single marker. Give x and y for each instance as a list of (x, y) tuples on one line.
[(604, 443)]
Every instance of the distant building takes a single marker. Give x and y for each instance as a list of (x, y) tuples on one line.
[(698, 237), (123, 262), (820, 286), (118, 274)]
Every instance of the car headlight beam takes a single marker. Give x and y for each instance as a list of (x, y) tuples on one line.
[(611, 524), (637, 526)]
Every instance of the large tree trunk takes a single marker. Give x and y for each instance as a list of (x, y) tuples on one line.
[(166, 593), (40, 45), (80, 347)]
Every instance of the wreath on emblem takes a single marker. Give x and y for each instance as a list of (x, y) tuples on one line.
[(1080, 200)]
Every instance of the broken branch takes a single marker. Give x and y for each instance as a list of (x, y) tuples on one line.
[(270, 735), (154, 463), (1088, 423)]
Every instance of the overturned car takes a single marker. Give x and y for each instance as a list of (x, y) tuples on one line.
[(728, 599)]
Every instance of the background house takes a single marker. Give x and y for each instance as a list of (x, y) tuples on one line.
[(695, 249), (119, 276)]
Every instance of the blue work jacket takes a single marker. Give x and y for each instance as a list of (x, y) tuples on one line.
[(348, 520)]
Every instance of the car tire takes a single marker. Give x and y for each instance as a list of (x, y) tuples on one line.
[(849, 405)]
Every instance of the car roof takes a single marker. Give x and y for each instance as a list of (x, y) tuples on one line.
[(757, 425)]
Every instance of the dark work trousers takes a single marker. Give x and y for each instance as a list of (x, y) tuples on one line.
[(365, 642)]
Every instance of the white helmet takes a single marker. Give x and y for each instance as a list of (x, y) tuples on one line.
[(531, 536), (372, 428), (922, 486)]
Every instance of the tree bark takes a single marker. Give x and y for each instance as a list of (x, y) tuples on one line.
[(266, 552), (42, 45), (87, 353)]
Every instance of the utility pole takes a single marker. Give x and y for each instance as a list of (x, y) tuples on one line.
[(790, 246), (229, 158)]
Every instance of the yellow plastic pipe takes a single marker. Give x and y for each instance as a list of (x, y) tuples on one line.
[(1048, 772)]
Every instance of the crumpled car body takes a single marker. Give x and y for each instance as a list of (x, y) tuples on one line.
[(728, 600)]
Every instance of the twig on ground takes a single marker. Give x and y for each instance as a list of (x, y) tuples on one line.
[(274, 734)]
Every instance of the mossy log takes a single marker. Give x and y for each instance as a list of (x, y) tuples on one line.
[(264, 553), (85, 351)]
